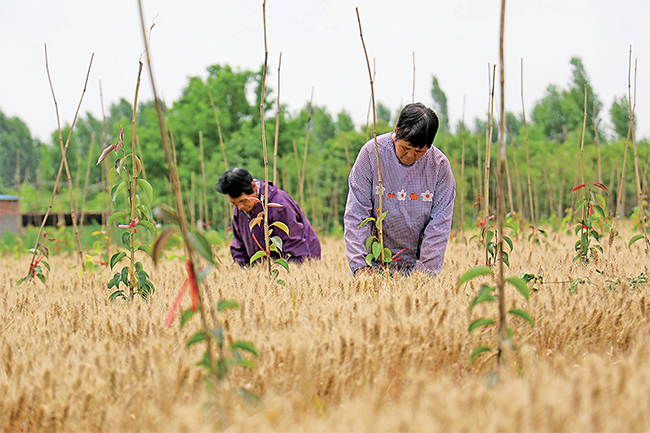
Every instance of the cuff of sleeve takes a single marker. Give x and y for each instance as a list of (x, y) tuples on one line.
[(420, 267)]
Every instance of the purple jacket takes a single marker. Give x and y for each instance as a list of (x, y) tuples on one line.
[(301, 242)]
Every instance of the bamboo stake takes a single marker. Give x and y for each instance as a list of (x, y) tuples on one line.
[(277, 129), (171, 136), (347, 154), (78, 174), (204, 214), (523, 110), (90, 157), (304, 161), (478, 168), (503, 333), (267, 241), (582, 143), (105, 169), (216, 118), (192, 201), (63, 159), (620, 204), (517, 179), (488, 145), (462, 171), (380, 230), (295, 154), (413, 92), (189, 253), (17, 178), (509, 180), (596, 144), (639, 193)]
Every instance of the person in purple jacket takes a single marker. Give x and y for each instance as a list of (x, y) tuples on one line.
[(239, 186), (418, 190)]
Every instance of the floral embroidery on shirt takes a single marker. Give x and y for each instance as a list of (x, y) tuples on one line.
[(413, 196), (427, 196), (383, 189), (401, 195)]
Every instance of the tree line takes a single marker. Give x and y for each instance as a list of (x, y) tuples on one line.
[(218, 109)]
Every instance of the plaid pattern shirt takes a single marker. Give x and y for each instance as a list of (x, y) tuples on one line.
[(419, 200)]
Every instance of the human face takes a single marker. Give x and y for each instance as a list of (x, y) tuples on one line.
[(242, 202), (406, 153)]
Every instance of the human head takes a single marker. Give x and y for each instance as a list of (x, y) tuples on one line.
[(417, 125), (238, 185)]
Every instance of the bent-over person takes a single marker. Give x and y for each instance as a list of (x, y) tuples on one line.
[(239, 186)]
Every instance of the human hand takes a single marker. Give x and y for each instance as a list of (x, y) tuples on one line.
[(367, 270)]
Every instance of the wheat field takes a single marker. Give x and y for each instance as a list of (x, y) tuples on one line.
[(336, 354)]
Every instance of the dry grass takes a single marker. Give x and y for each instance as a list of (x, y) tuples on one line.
[(336, 354)]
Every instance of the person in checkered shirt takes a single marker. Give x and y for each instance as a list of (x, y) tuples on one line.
[(418, 192)]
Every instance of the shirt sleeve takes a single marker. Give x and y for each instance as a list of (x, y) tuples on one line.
[(436, 232), (237, 246), (359, 206)]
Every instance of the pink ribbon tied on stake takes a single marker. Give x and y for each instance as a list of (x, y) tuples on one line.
[(130, 225)]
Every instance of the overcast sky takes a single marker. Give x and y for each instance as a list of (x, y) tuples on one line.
[(321, 48)]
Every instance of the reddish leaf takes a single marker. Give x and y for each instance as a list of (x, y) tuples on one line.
[(194, 290), (601, 186), (105, 153), (274, 205), (575, 188)]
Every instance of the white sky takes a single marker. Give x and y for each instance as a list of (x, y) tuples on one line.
[(454, 40)]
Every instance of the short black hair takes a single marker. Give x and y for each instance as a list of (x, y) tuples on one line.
[(235, 182), (417, 125)]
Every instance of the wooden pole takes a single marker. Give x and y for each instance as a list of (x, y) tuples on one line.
[(90, 157), (277, 130), (304, 161), (523, 110)]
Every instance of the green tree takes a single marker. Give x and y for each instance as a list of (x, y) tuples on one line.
[(440, 105), (16, 142), (620, 115)]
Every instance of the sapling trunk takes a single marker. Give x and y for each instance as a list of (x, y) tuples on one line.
[(277, 129), (503, 334), (189, 253), (63, 160), (380, 230), (523, 110), (304, 160), (133, 281), (144, 171), (90, 157), (77, 177)]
